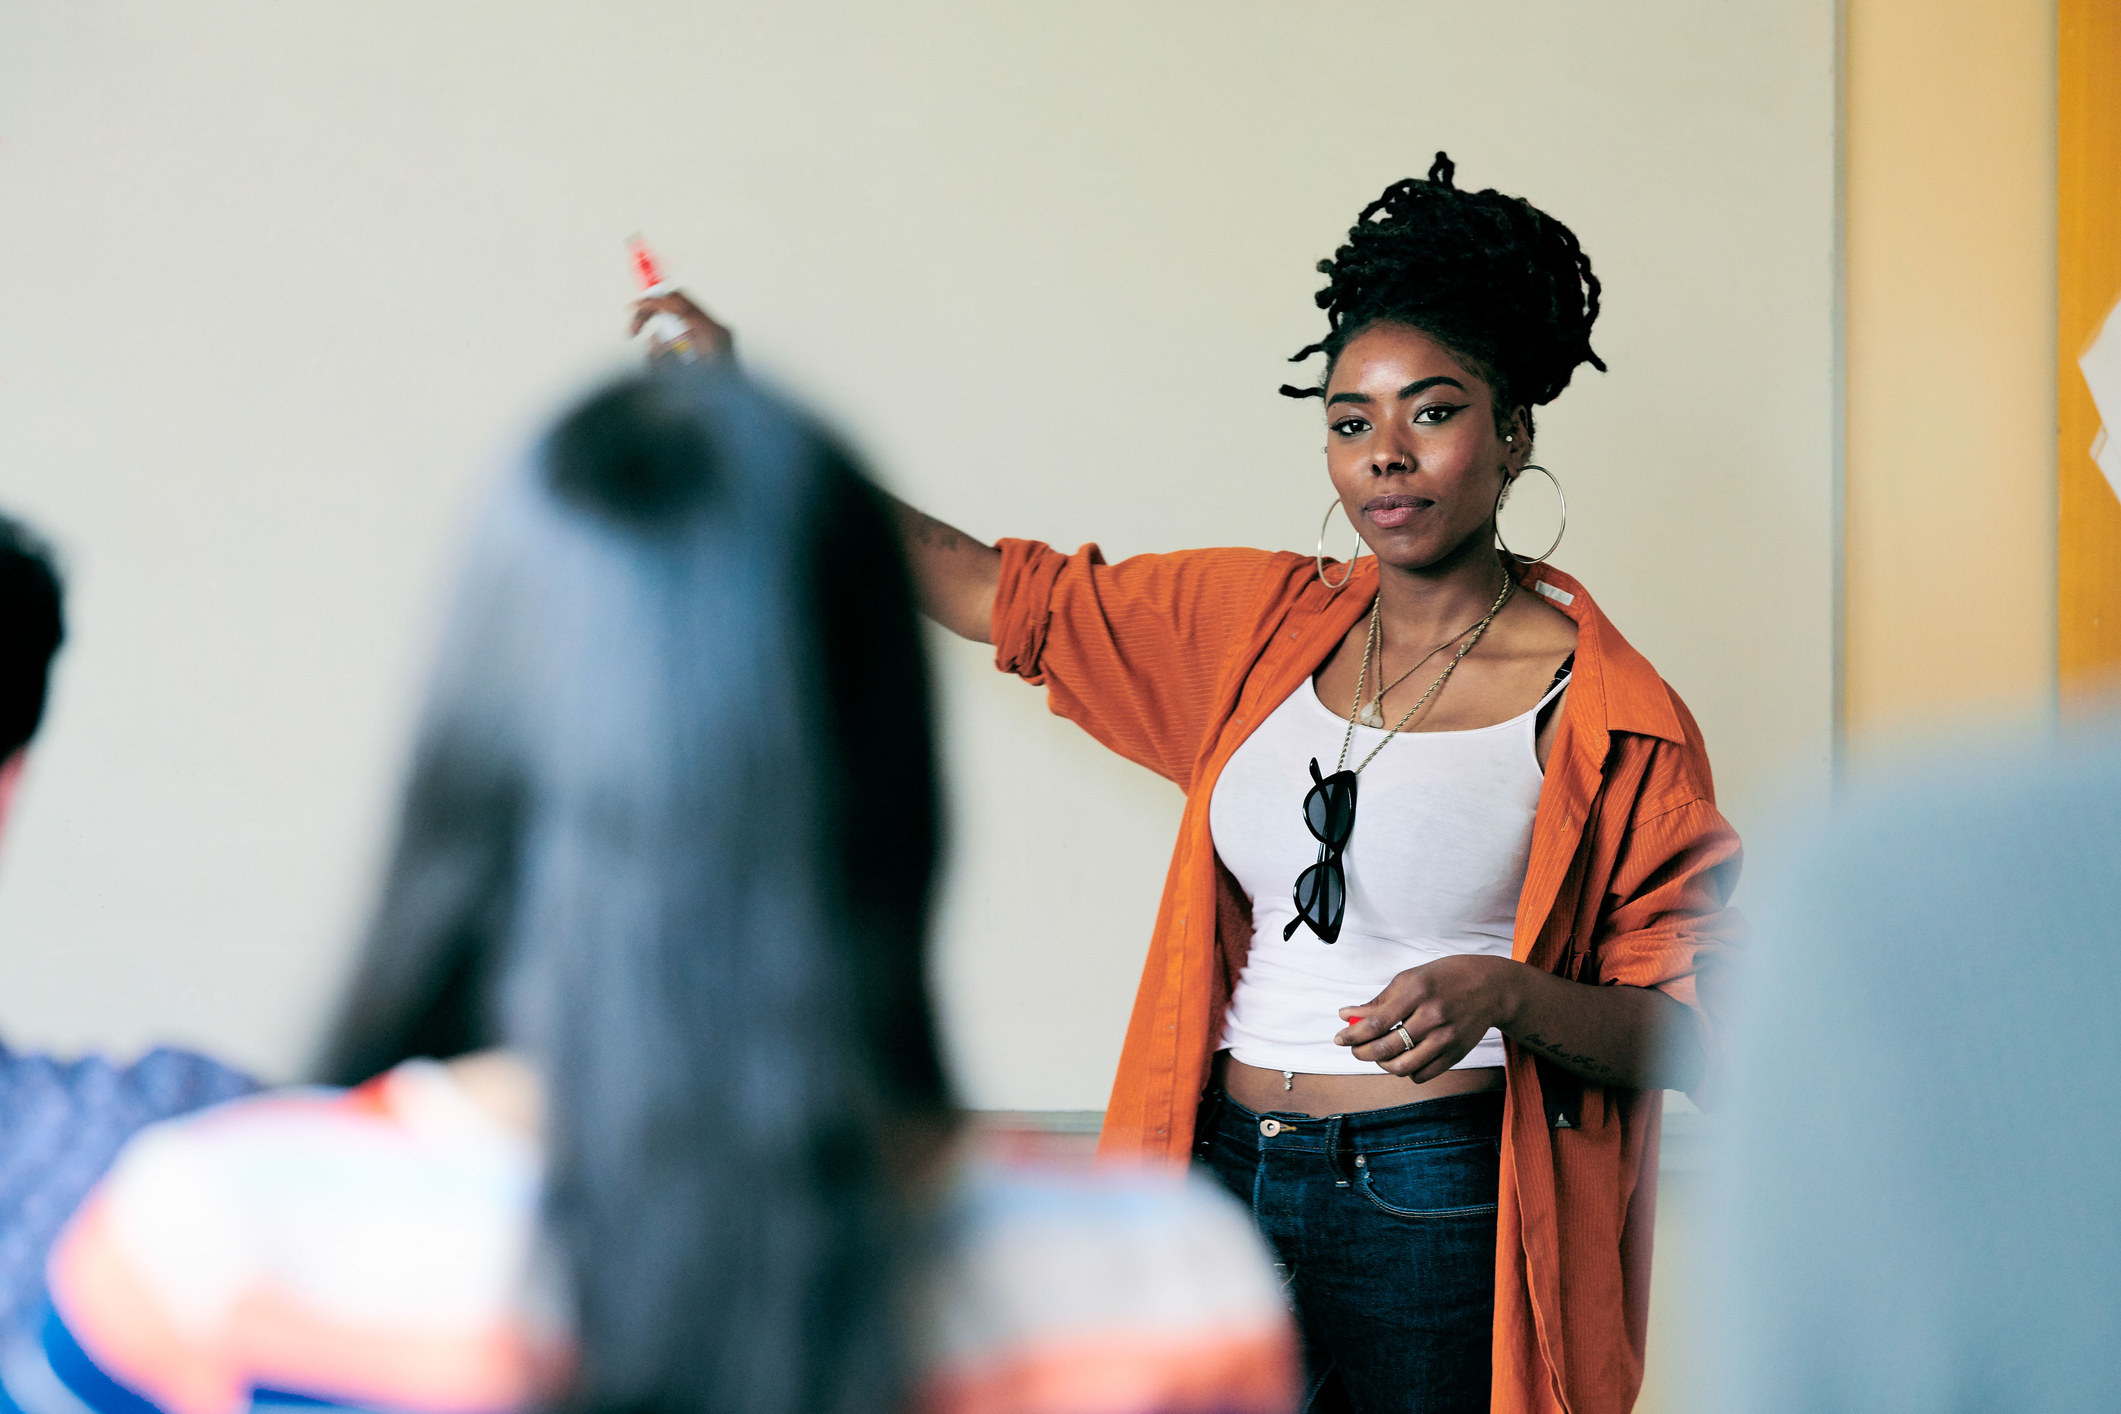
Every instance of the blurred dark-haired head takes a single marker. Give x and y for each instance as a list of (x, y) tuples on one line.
[(32, 626), (670, 832)]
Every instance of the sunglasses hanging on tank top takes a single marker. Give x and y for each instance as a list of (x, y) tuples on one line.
[(1329, 806)]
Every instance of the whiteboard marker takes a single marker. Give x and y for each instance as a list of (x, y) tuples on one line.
[(668, 335)]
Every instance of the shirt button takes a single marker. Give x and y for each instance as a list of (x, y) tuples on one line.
[(1270, 1127)]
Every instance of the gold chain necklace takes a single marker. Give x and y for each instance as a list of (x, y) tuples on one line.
[(1478, 631), (1374, 714)]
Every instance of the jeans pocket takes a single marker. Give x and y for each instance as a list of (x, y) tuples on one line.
[(1446, 1180)]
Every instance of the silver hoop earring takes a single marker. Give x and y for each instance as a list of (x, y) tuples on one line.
[(1503, 494), (1336, 588)]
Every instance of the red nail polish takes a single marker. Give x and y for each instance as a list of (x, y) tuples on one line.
[(1353, 1019)]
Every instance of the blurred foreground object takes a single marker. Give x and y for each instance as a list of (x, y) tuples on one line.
[(635, 1101), (61, 1122), (1921, 1209)]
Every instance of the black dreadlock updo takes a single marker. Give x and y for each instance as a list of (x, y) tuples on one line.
[(1494, 278)]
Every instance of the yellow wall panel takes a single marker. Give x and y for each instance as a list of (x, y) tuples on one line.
[(2088, 236), (1950, 338)]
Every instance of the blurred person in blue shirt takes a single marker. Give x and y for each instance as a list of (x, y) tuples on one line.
[(61, 1121), (1921, 1198)]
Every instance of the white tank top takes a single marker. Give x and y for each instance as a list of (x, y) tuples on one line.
[(1443, 831)]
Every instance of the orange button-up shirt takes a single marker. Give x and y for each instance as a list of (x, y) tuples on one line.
[(1172, 660)]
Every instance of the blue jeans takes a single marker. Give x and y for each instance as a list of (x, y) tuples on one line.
[(1383, 1228)]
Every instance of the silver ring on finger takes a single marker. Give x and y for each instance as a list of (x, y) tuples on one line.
[(1404, 1035)]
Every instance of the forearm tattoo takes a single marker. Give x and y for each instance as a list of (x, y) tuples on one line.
[(1575, 1060), (931, 534)]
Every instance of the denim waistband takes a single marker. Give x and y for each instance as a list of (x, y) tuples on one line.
[(1448, 1119)]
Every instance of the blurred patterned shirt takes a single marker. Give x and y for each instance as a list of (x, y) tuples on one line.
[(378, 1248), (61, 1125)]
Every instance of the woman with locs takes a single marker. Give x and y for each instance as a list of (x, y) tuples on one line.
[(1450, 865)]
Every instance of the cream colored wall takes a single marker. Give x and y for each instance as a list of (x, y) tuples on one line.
[(1951, 364), (280, 284)]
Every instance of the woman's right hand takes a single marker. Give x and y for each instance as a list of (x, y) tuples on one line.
[(956, 576), (711, 337)]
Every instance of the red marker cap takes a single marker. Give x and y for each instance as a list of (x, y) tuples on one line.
[(645, 268)]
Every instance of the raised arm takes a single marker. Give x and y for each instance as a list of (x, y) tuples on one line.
[(954, 574)]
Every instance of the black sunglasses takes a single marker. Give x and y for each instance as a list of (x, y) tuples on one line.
[(1322, 889)]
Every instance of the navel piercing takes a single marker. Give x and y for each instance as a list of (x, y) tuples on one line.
[(1288, 1080)]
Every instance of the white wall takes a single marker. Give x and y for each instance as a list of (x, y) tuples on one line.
[(279, 284)]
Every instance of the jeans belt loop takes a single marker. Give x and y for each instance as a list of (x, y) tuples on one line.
[(1207, 1121), (1343, 1175)]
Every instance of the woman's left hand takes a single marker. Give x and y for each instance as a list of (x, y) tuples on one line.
[(1446, 1005)]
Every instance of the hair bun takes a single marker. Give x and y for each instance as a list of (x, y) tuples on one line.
[(1501, 283)]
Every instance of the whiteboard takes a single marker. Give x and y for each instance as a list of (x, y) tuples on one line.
[(282, 286)]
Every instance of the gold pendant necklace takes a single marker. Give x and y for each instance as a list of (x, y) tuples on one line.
[(1375, 716)]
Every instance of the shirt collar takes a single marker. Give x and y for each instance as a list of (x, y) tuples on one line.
[(1609, 676)]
